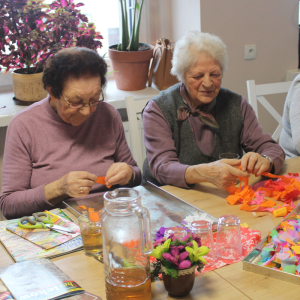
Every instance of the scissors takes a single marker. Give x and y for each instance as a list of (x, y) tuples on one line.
[(42, 223)]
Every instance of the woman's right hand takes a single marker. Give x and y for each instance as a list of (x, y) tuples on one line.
[(77, 183), (221, 173), (74, 184)]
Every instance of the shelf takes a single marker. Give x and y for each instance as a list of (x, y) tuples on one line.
[(112, 95)]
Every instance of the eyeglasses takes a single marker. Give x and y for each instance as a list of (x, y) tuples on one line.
[(81, 105)]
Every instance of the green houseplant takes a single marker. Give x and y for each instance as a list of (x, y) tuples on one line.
[(32, 31), (131, 59)]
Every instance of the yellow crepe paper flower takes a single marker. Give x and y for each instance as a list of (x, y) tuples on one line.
[(196, 253), (159, 250)]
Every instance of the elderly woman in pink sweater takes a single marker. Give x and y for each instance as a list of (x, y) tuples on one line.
[(56, 148)]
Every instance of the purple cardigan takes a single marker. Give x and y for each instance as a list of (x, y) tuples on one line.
[(41, 148), (162, 155)]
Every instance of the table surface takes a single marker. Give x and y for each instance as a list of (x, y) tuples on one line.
[(229, 282)]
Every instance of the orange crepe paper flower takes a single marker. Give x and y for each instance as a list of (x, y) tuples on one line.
[(101, 180)]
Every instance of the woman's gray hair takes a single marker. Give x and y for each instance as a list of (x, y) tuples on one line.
[(196, 41)]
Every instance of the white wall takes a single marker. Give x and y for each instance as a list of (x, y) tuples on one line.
[(172, 18), (270, 24)]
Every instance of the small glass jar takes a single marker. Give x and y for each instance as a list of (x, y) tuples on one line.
[(91, 233), (178, 232), (203, 230)]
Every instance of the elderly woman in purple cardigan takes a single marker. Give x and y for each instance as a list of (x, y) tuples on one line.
[(188, 126), (56, 148)]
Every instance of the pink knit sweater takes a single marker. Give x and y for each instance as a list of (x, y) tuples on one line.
[(41, 148)]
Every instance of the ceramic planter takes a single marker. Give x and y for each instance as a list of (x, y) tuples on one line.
[(28, 87), (131, 68), (182, 285)]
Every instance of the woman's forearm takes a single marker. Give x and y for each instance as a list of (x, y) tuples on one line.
[(54, 192)]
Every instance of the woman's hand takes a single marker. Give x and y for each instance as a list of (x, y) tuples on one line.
[(118, 173), (74, 184), (221, 173), (254, 163)]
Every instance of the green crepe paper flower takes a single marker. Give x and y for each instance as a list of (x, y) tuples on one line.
[(159, 250), (196, 253)]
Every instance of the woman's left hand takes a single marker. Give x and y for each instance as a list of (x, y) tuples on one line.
[(254, 163), (118, 173)]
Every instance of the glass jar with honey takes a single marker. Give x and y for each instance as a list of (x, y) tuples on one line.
[(126, 245), (90, 228)]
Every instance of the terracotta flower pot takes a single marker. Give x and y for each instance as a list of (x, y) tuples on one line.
[(182, 285), (131, 68), (28, 87)]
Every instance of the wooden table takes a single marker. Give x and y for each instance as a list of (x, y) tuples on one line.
[(229, 282)]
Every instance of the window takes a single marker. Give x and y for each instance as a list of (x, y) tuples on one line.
[(105, 15)]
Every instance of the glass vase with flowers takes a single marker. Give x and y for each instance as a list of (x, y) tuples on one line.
[(176, 259)]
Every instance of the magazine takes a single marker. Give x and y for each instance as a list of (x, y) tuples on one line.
[(21, 249), (4, 292), (46, 238), (38, 279)]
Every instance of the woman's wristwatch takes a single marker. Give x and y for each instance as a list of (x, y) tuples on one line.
[(130, 180), (271, 162)]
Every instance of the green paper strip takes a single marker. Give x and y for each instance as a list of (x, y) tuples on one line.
[(289, 269)]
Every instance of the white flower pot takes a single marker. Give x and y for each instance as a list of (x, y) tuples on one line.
[(28, 87)]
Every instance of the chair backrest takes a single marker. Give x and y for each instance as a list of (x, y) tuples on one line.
[(256, 92), (134, 108)]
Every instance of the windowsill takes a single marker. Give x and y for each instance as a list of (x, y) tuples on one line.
[(112, 95)]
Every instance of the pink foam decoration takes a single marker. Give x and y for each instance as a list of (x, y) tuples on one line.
[(282, 255), (293, 233), (291, 176), (285, 236), (270, 209), (254, 202)]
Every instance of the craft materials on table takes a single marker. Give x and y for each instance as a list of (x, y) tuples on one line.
[(47, 239), (249, 239), (38, 279), (281, 250), (21, 249), (42, 220), (286, 189)]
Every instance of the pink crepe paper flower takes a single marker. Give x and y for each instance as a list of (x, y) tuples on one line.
[(177, 258)]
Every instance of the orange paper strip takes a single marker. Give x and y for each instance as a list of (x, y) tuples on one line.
[(101, 180)]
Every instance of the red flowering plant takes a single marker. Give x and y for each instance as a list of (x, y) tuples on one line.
[(32, 31), (176, 254)]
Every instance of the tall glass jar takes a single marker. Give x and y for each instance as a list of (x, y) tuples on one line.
[(127, 242)]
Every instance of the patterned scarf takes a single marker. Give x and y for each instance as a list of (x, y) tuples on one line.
[(185, 110)]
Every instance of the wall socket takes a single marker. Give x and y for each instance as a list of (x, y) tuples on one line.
[(250, 51)]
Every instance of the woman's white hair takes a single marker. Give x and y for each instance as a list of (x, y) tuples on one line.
[(195, 41)]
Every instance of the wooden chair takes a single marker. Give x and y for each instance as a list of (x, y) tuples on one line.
[(134, 108), (256, 92)]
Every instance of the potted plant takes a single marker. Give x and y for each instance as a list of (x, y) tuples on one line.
[(176, 260), (32, 31), (131, 59)]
